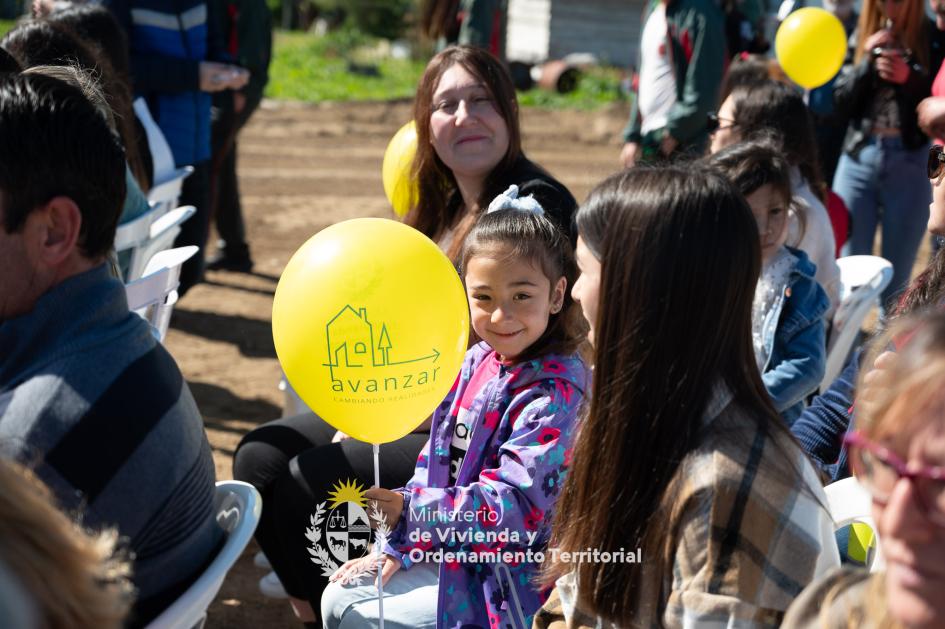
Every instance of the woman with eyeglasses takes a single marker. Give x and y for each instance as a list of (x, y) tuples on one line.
[(822, 425), (469, 151), (878, 175), (898, 455), (776, 112)]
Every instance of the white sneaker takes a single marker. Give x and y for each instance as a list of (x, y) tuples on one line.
[(271, 586), (261, 561)]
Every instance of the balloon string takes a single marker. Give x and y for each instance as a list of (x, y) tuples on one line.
[(378, 549)]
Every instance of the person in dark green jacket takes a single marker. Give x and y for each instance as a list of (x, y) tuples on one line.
[(247, 30), (682, 58)]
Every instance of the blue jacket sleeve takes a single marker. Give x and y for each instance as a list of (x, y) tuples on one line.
[(801, 369), (821, 426)]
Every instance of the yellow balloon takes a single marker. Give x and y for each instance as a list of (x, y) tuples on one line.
[(811, 45), (370, 323), (399, 186)]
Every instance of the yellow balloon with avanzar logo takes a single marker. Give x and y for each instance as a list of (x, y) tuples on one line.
[(399, 186), (370, 323), (810, 45)]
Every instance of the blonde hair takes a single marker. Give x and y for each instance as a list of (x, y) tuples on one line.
[(917, 377), (911, 33), (75, 577)]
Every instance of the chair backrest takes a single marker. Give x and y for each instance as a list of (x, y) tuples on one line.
[(148, 234), (850, 503), (154, 294), (862, 279), (164, 193), (238, 507), (161, 156)]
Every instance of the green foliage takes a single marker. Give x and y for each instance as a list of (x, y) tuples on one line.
[(309, 68), (379, 18), (6, 26), (597, 86)]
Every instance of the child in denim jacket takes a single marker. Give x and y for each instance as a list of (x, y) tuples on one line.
[(788, 332)]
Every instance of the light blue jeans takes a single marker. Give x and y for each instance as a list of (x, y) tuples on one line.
[(886, 184), (409, 601)]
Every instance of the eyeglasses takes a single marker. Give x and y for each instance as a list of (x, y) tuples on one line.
[(936, 165), (475, 105), (879, 470), (713, 123)]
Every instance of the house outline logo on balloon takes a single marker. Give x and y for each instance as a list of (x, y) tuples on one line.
[(351, 346)]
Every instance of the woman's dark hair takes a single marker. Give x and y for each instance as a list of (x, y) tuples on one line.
[(7, 62), (45, 43), (776, 110), (96, 25), (928, 289), (680, 259), (436, 211), (518, 235), (755, 163), (745, 70)]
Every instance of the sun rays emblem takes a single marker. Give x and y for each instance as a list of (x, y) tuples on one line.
[(347, 491), (345, 527)]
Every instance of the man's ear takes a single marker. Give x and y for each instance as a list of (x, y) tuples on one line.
[(59, 222)]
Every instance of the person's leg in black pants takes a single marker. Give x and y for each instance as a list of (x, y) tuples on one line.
[(194, 231), (294, 465)]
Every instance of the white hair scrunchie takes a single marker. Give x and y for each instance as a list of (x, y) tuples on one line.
[(509, 200)]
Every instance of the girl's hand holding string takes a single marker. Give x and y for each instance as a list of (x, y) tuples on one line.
[(892, 67), (390, 503), (350, 570)]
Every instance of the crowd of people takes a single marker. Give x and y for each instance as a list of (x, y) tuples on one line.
[(637, 408)]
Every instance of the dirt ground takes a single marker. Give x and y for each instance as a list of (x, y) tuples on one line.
[(301, 169)]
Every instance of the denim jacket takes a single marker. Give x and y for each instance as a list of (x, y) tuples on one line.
[(794, 339)]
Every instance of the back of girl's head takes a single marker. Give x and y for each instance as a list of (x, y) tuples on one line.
[(97, 25), (7, 62), (521, 235), (435, 180), (748, 70), (81, 80), (777, 111), (752, 164), (680, 258), (916, 379), (39, 42)]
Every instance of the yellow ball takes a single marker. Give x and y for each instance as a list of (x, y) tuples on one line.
[(811, 45), (370, 323), (399, 186)]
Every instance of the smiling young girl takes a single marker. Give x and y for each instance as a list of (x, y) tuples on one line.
[(499, 449)]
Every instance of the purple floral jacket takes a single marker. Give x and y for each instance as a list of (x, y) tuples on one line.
[(525, 419)]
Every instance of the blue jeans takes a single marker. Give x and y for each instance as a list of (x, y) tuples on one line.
[(886, 184), (409, 601)]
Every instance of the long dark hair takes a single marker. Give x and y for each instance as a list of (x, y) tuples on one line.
[(45, 42), (680, 258), (435, 213), (775, 110), (517, 235)]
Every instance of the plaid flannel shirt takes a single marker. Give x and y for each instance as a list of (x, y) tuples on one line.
[(750, 531)]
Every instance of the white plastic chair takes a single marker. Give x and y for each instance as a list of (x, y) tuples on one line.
[(862, 279), (153, 296), (849, 502), (165, 192), (238, 507), (161, 156), (148, 234)]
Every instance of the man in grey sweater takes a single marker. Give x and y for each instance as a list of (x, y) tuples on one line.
[(87, 397)]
